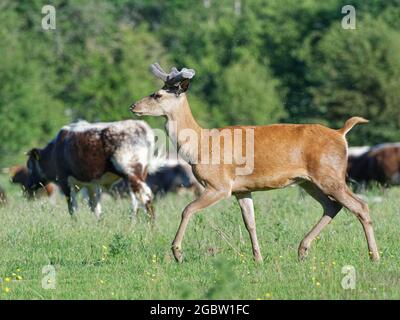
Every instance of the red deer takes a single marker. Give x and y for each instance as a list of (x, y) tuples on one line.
[(94, 156), (380, 163), (19, 175), (312, 156)]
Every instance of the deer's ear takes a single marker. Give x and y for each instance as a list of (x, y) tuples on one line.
[(184, 85), (34, 153)]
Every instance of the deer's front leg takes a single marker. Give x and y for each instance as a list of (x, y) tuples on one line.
[(206, 199)]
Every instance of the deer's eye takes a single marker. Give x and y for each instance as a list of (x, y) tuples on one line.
[(156, 96)]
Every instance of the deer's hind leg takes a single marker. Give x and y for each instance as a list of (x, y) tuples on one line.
[(360, 209), (330, 207), (247, 208)]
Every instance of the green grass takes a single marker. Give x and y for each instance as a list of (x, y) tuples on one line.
[(136, 263)]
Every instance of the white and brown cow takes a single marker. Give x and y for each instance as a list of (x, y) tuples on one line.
[(95, 156)]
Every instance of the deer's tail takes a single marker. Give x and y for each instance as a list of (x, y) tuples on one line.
[(350, 123)]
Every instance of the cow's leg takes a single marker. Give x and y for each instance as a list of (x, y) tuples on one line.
[(143, 193), (134, 201), (135, 173), (94, 200), (72, 201), (135, 206), (247, 208), (70, 192)]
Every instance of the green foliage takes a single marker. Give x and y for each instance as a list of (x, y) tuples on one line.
[(249, 95), (109, 79), (358, 73), (29, 113)]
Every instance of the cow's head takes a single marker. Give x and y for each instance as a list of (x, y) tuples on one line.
[(36, 178), (166, 100), (19, 175)]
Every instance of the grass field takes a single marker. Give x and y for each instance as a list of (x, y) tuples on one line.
[(113, 259)]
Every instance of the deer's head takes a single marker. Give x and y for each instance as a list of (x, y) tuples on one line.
[(169, 97)]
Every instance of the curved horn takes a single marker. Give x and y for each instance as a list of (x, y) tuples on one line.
[(158, 72)]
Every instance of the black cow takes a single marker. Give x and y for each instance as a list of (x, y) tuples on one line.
[(172, 178)]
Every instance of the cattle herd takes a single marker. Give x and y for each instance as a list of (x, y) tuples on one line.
[(118, 158)]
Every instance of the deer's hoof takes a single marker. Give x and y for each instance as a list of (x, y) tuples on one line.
[(302, 253), (258, 259), (177, 252), (374, 256)]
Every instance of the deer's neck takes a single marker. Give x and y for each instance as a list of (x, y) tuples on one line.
[(184, 131)]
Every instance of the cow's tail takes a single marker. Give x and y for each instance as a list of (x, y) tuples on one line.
[(350, 123)]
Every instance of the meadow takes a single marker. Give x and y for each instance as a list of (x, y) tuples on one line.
[(114, 259)]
